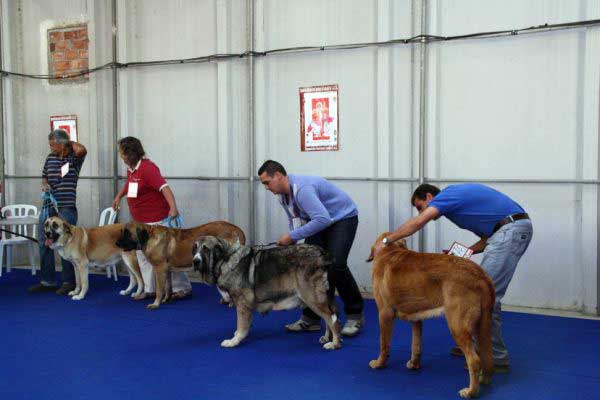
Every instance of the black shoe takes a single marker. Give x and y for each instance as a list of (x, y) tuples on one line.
[(457, 352), (65, 289), (40, 288)]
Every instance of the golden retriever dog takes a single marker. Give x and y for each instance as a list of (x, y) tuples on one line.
[(415, 286)]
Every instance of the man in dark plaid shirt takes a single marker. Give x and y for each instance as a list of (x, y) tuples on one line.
[(59, 176)]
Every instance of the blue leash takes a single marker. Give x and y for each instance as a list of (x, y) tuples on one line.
[(171, 222), (48, 201)]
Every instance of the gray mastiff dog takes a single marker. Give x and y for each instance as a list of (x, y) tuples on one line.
[(279, 278)]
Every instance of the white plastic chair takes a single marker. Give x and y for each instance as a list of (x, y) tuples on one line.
[(8, 240), (108, 216)]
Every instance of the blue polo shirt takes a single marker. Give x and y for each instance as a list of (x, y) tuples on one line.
[(475, 207), (64, 188)]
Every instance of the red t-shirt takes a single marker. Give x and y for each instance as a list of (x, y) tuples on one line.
[(149, 205)]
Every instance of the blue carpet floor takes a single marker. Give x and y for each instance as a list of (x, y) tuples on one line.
[(110, 347)]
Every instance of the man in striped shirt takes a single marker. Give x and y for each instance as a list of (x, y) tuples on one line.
[(59, 177)]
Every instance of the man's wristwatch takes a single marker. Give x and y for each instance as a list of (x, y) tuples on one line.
[(385, 241)]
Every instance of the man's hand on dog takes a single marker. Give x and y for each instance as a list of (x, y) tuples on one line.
[(378, 247), (285, 240)]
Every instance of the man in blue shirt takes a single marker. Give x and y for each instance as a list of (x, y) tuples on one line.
[(324, 215), (502, 225), (59, 177)]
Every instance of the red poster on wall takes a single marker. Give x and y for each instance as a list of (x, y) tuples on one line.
[(319, 114), (67, 123)]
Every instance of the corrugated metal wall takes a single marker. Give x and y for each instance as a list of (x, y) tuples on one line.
[(518, 112)]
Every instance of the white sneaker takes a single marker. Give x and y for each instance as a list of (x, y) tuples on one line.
[(353, 326), (303, 326)]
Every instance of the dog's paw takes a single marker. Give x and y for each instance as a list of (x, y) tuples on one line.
[(324, 339), (152, 306), (413, 364), (125, 292), (376, 364), (74, 292), (331, 346), (467, 393), (230, 343), (78, 297)]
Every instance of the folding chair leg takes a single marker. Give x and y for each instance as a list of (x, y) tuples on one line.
[(8, 258), (31, 257), (108, 271), (114, 270), (1, 257)]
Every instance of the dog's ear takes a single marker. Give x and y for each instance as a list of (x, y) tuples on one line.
[(142, 236), (221, 250), (67, 229)]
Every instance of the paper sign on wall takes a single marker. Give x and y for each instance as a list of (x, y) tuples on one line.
[(319, 114), (67, 123)]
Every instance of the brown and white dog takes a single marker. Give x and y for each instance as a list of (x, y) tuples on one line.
[(169, 249), (414, 286), (86, 247)]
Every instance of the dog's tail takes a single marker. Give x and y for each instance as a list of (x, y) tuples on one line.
[(484, 336)]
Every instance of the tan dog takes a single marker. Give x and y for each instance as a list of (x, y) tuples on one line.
[(414, 286), (86, 247), (171, 249)]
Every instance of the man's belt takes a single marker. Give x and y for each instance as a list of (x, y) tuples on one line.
[(509, 219)]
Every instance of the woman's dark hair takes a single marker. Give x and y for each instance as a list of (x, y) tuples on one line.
[(270, 167), (421, 192), (132, 149)]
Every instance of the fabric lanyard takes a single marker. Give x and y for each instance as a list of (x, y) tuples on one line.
[(290, 206)]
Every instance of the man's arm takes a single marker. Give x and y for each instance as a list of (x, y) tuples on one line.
[(414, 224), (170, 198), (78, 149)]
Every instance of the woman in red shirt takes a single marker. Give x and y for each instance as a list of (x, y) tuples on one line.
[(150, 201)]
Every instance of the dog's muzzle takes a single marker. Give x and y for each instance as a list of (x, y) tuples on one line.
[(197, 262)]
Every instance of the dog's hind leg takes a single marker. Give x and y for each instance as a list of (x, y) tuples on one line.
[(244, 320), (135, 276), (386, 327), (415, 348), (82, 266), (332, 330), (462, 326)]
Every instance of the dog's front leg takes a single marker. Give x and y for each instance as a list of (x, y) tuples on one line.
[(135, 277), (77, 271), (82, 266), (160, 275), (386, 326), (415, 354), (244, 319)]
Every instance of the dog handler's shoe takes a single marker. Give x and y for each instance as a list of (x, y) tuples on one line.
[(498, 368), (65, 289), (40, 287), (456, 351), (353, 326), (303, 326)]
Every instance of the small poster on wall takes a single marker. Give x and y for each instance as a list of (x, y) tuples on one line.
[(67, 123), (319, 118)]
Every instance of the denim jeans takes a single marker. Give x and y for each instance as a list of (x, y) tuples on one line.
[(47, 265), (337, 240), (500, 257)]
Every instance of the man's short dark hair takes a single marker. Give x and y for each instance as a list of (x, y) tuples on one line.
[(132, 149), (270, 167), (421, 192)]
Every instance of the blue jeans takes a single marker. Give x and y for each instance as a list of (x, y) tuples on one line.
[(47, 265), (337, 240), (500, 257)]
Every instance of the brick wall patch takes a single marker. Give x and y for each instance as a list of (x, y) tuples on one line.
[(68, 53)]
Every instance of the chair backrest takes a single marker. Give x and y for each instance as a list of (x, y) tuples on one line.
[(19, 210), (107, 216)]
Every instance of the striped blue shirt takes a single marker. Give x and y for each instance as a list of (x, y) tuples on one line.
[(64, 188)]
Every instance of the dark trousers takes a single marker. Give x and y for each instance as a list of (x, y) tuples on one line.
[(337, 240), (47, 265)]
